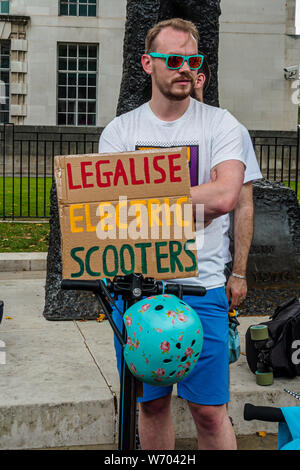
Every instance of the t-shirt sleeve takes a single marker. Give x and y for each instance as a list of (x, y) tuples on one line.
[(110, 140), (227, 141), (252, 171)]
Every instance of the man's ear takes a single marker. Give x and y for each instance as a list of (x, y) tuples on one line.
[(200, 80), (147, 63)]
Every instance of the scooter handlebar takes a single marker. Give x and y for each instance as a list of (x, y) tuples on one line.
[(95, 286), (68, 284), (172, 288), (263, 413)]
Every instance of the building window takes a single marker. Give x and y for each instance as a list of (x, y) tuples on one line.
[(4, 81), (77, 84), (4, 6), (78, 7)]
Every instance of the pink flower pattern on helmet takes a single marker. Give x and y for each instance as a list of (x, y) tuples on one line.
[(165, 346), (188, 352), (144, 308), (180, 373), (181, 317), (171, 313), (132, 345), (177, 314)]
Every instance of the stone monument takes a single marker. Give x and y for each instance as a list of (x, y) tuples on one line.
[(273, 271)]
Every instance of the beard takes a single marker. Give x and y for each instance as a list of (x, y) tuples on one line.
[(173, 92)]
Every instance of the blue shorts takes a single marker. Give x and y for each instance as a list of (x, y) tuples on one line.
[(208, 383)]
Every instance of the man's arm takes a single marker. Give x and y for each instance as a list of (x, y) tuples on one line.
[(236, 288), (220, 195)]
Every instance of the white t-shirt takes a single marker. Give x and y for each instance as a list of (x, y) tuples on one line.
[(212, 136), (252, 172)]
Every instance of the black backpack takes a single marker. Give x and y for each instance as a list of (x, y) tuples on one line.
[(280, 353)]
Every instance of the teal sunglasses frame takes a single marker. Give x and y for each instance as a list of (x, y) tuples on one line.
[(184, 57)]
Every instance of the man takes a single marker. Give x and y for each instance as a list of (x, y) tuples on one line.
[(236, 287), (171, 118)]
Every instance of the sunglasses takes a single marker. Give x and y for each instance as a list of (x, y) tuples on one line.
[(176, 61)]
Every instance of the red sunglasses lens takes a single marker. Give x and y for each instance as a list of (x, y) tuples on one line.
[(195, 62), (175, 61)]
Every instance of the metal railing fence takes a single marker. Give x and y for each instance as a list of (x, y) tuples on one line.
[(27, 166), (27, 163)]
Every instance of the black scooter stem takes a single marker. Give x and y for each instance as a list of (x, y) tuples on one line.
[(131, 288)]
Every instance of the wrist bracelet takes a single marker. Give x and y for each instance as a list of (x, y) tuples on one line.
[(238, 276)]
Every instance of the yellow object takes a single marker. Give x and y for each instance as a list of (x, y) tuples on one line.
[(232, 313), (261, 433), (101, 317)]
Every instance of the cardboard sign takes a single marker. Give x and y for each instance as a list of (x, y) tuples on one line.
[(124, 213)]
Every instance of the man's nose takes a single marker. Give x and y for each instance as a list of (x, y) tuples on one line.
[(184, 67)]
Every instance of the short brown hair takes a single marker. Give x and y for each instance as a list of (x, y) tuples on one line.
[(176, 23)]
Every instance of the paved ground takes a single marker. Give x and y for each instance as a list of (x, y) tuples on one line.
[(59, 387), (248, 442)]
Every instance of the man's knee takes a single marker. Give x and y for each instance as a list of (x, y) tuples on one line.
[(208, 418), (156, 407)]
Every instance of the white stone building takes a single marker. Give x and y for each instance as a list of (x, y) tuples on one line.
[(65, 60), (257, 41), (61, 61)]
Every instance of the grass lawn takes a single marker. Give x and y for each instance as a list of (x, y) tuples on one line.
[(26, 197), (16, 236), (293, 186), (31, 197)]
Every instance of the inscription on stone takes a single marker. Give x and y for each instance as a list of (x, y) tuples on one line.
[(262, 249), (274, 258), (269, 277), (273, 271)]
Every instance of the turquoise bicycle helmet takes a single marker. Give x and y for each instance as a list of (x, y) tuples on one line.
[(164, 339)]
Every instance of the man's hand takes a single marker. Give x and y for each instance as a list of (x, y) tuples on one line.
[(236, 291)]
